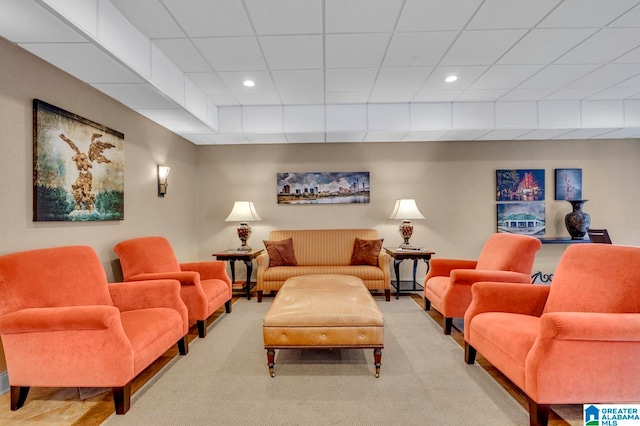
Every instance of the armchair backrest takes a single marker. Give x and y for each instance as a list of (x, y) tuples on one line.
[(509, 252), (146, 255), (596, 278), (52, 277)]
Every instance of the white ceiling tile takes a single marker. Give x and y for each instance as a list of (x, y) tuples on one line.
[(481, 47), (504, 76), (346, 117), (302, 98), (436, 15), (424, 135), (559, 114), (347, 97), (542, 46), (469, 115), (466, 76), (259, 99), (184, 54), (631, 82), (225, 139), (585, 133), (293, 52), (608, 75), (586, 13), (209, 83), (542, 134), (629, 19), (197, 128), (632, 113), (304, 118), (150, 17), (224, 100), (285, 16), (205, 18), (425, 116), (355, 50), (198, 139), (602, 113), (83, 60), (437, 95), (234, 82), (503, 134), (351, 80), (632, 57), (383, 117), (418, 49), (361, 16), (231, 53), (557, 76), (384, 136), (266, 138), (25, 22), (167, 76), (262, 119), (481, 95), (170, 117), (137, 95), (631, 132), (509, 14), (463, 135), (526, 94), (615, 93), (195, 101), (345, 136), (516, 115), (305, 137), (604, 46), (401, 79), (391, 97), (230, 119), (571, 94), (299, 81), (81, 12)]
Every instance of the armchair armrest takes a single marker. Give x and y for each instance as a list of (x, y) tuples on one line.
[(443, 267), (470, 276), (585, 326), (208, 270), (95, 317), (130, 296), (185, 277)]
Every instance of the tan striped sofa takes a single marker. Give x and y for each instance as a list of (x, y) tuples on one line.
[(324, 251)]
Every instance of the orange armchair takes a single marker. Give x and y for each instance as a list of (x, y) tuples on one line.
[(62, 325), (505, 257), (205, 286), (573, 342)]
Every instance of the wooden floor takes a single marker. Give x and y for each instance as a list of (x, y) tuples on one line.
[(73, 406)]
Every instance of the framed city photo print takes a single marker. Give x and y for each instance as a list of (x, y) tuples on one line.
[(520, 185)]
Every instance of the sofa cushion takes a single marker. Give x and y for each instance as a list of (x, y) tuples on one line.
[(366, 252), (281, 253)]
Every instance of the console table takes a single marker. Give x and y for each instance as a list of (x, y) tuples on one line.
[(400, 255), (246, 257)]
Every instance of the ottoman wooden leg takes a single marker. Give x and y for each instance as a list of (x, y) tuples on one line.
[(271, 355), (377, 357)]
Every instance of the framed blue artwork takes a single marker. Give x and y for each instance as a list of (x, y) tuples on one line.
[(568, 184)]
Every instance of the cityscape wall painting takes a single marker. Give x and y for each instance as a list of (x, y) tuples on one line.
[(568, 184), (520, 185), (323, 188), (522, 218), (78, 167)]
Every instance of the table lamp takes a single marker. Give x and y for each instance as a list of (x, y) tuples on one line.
[(243, 212), (406, 209)]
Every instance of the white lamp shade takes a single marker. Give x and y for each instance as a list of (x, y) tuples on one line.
[(406, 209), (243, 211)]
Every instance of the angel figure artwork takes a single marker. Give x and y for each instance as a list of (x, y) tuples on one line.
[(85, 183)]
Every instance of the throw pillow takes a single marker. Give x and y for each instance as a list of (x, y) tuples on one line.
[(365, 252), (281, 253)]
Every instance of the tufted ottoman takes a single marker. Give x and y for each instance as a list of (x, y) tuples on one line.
[(323, 311)]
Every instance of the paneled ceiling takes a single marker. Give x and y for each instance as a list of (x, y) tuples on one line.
[(351, 70)]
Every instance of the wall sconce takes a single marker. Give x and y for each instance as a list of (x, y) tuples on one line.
[(243, 212), (404, 210), (163, 179)]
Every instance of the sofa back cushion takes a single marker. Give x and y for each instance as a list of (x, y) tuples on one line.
[(509, 252), (146, 255), (321, 247), (52, 277), (596, 278)]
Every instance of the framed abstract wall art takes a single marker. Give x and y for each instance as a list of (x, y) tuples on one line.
[(568, 184), (520, 185), (78, 167), (522, 218), (323, 188)]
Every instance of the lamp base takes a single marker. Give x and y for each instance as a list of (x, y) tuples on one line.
[(406, 230), (244, 232)]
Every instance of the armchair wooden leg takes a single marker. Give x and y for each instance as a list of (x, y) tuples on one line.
[(18, 396), (227, 306), (183, 345), (469, 353), (122, 398), (427, 304), (538, 413), (448, 323), (202, 328), (260, 292), (387, 294)]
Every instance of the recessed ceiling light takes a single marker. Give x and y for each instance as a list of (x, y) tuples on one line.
[(451, 78), (249, 83)]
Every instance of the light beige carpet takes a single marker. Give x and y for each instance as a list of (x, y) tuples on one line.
[(225, 380)]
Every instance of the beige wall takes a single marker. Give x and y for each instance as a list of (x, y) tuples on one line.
[(453, 184), (24, 77)]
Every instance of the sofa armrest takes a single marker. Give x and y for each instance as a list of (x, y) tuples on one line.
[(95, 317), (470, 276), (214, 269), (443, 267), (185, 277)]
